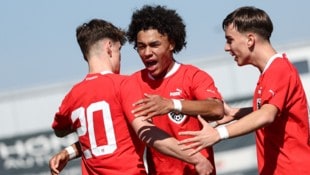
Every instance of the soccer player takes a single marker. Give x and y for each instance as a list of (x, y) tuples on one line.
[(279, 114), (157, 34), (108, 140)]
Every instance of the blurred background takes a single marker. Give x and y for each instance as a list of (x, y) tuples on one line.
[(41, 60)]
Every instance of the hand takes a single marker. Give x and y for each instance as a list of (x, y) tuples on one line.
[(229, 115), (152, 105), (58, 162), (204, 167), (207, 136)]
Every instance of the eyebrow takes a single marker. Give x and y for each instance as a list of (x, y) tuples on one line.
[(149, 43)]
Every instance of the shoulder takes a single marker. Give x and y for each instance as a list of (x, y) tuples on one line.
[(118, 78), (191, 70), (137, 75), (281, 64), (189, 67)]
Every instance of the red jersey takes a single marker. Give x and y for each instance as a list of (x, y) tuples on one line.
[(182, 82), (93, 109), (282, 146)]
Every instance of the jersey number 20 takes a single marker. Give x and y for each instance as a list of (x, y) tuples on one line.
[(79, 114)]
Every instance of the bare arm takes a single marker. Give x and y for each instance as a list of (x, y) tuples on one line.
[(60, 160), (155, 137), (209, 136), (253, 121), (231, 114), (153, 105), (152, 136)]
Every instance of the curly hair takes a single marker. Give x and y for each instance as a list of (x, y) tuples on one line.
[(165, 21)]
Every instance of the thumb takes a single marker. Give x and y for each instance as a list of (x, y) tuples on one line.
[(147, 95), (202, 121)]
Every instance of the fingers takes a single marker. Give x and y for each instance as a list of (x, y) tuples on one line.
[(53, 166), (141, 101), (141, 111), (188, 133), (193, 145), (187, 141), (142, 108), (198, 149), (147, 95), (141, 114), (54, 173), (150, 115), (202, 121)]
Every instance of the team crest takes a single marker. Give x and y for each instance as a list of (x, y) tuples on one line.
[(176, 117), (258, 103)]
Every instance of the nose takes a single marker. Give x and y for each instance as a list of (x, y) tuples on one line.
[(148, 50), (227, 47)]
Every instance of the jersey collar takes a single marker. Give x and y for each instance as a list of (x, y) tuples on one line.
[(175, 67), (106, 72), (271, 59)]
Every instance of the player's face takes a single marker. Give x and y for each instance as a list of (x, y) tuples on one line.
[(155, 51), (116, 56), (237, 45)]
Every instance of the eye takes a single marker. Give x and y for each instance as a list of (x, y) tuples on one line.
[(140, 47), (228, 41)]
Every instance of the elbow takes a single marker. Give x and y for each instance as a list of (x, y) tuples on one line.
[(60, 133), (267, 121), (268, 114), (217, 112)]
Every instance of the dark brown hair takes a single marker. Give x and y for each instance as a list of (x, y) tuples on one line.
[(95, 30), (250, 19)]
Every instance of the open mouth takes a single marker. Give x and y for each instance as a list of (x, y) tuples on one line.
[(150, 64)]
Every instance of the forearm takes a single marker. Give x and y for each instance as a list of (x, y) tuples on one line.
[(163, 142), (170, 147), (155, 105), (241, 112), (253, 121), (211, 109), (73, 151)]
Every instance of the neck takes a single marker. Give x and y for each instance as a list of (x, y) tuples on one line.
[(262, 56), (98, 66), (165, 73)]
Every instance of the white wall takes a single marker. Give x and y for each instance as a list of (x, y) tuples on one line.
[(30, 110)]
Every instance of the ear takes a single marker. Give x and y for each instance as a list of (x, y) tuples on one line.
[(172, 45), (108, 47), (251, 40)]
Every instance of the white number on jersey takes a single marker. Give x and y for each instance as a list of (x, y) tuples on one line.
[(79, 114)]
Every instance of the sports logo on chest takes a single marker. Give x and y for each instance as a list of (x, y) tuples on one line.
[(173, 116), (176, 117), (176, 93)]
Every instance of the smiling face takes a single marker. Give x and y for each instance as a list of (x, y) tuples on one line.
[(238, 45), (155, 51)]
